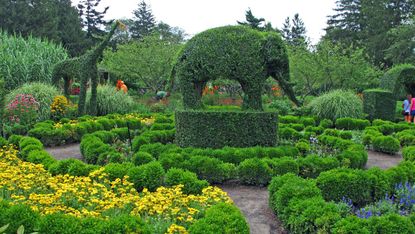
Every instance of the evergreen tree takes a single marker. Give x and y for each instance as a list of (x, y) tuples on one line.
[(92, 19), (294, 31), (168, 33), (252, 21), (144, 21)]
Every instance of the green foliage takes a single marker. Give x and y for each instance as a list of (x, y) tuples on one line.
[(254, 171), (109, 101), (40, 157), (141, 158), (352, 124), (218, 129), (408, 153), (263, 55), (192, 185), (282, 106), (2, 103), (221, 218), (337, 104), (148, 176), (379, 104), (118, 170), (339, 183), (147, 62), (211, 169), (312, 165), (42, 92), (397, 80), (386, 144), (27, 60)]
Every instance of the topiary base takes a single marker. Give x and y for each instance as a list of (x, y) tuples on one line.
[(379, 104), (216, 129)]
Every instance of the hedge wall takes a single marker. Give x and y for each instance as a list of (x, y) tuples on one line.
[(379, 104), (218, 129)]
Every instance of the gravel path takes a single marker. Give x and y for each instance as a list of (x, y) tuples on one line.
[(253, 202), (65, 152), (381, 160)]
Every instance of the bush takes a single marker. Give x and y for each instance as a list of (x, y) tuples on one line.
[(391, 224), (254, 171), (26, 60), (312, 165), (109, 100), (281, 166), (354, 156), (221, 218), (395, 79), (351, 225), (117, 170), (289, 134), (386, 144), (148, 176), (60, 223), (210, 169), (215, 129), (18, 215), (406, 137), (192, 185), (337, 104), (326, 123), (41, 157), (379, 104), (43, 93), (3, 142), (352, 124), (345, 183), (303, 147), (15, 139), (408, 153), (282, 106), (369, 135), (141, 158)]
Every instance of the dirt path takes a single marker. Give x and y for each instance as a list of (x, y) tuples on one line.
[(65, 152), (381, 160), (253, 202)]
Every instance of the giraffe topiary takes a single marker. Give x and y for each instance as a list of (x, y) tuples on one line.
[(83, 68)]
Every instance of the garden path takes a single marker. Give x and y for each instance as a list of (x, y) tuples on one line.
[(253, 202), (65, 152), (381, 160)]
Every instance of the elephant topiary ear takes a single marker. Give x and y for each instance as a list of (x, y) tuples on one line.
[(275, 54)]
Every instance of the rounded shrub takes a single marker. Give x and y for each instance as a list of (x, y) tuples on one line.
[(408, 153), (254, 171), (192, 185), (109, 100), (117, 170), (141, 158), (337, 104), (210, 169), (40, 157), (386, 144), (148, 176), (43, 93)]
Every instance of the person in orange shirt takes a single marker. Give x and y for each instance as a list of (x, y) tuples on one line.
[(121, 86)]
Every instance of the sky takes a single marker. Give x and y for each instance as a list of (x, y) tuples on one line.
[(195, 16)]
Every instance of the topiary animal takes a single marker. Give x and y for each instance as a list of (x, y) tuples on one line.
[(238, 53), (83, 68)]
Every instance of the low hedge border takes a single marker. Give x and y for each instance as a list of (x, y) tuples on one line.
[(217, 129), (306, 205)]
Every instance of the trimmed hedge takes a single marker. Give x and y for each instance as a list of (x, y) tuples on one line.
[(219, 129), (386, 144), (379, 104), (352, 124)]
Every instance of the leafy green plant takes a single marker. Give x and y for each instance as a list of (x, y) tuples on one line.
[(386, 144), (337, 104), (27, 60), (109, 101), (42, 92)]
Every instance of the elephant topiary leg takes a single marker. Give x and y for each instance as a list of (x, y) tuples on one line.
[(194, 91), (252, 97)]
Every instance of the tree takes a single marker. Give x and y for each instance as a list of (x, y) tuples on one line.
[(256, 23), (295, 33), (147, 62), (402, 48), (172, 34), (55, 20), (330, 66), (93, 20), (144, 22)]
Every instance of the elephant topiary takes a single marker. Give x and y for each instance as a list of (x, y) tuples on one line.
[(237, 53)]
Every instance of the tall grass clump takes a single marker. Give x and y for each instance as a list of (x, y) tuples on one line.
[(337, 104), (27, 60), (43, 93), (109, 100)]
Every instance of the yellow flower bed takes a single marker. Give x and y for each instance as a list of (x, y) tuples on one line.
[(146, 121), (96, 195)]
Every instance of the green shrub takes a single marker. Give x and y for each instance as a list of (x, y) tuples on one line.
[(221, 218), (209, 129), (395, 79), (391, 224), (337, 104), (289, 134), (352, 124), (326, 123), (254, 171), (379, 104), (40, 157), (192, 185), (18, 215), (406, 137), (141, 158), (386, 144), (117, 170), (408, 153), (148, 137), (351, 225), (148, 176), (369, 135), (109, 100), (281, 166), (15, 139), (61, 167), (26, 60), (303, 147), (3, 142), (282, 106), (169, 160), (125, 224), (289, 119), (312, 165), (339, 183), (60, 223), (43, 93), (210, 169), (355, 156)]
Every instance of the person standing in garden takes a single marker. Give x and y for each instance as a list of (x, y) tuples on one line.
[(161, 95), (413, 108), (406, 108)]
